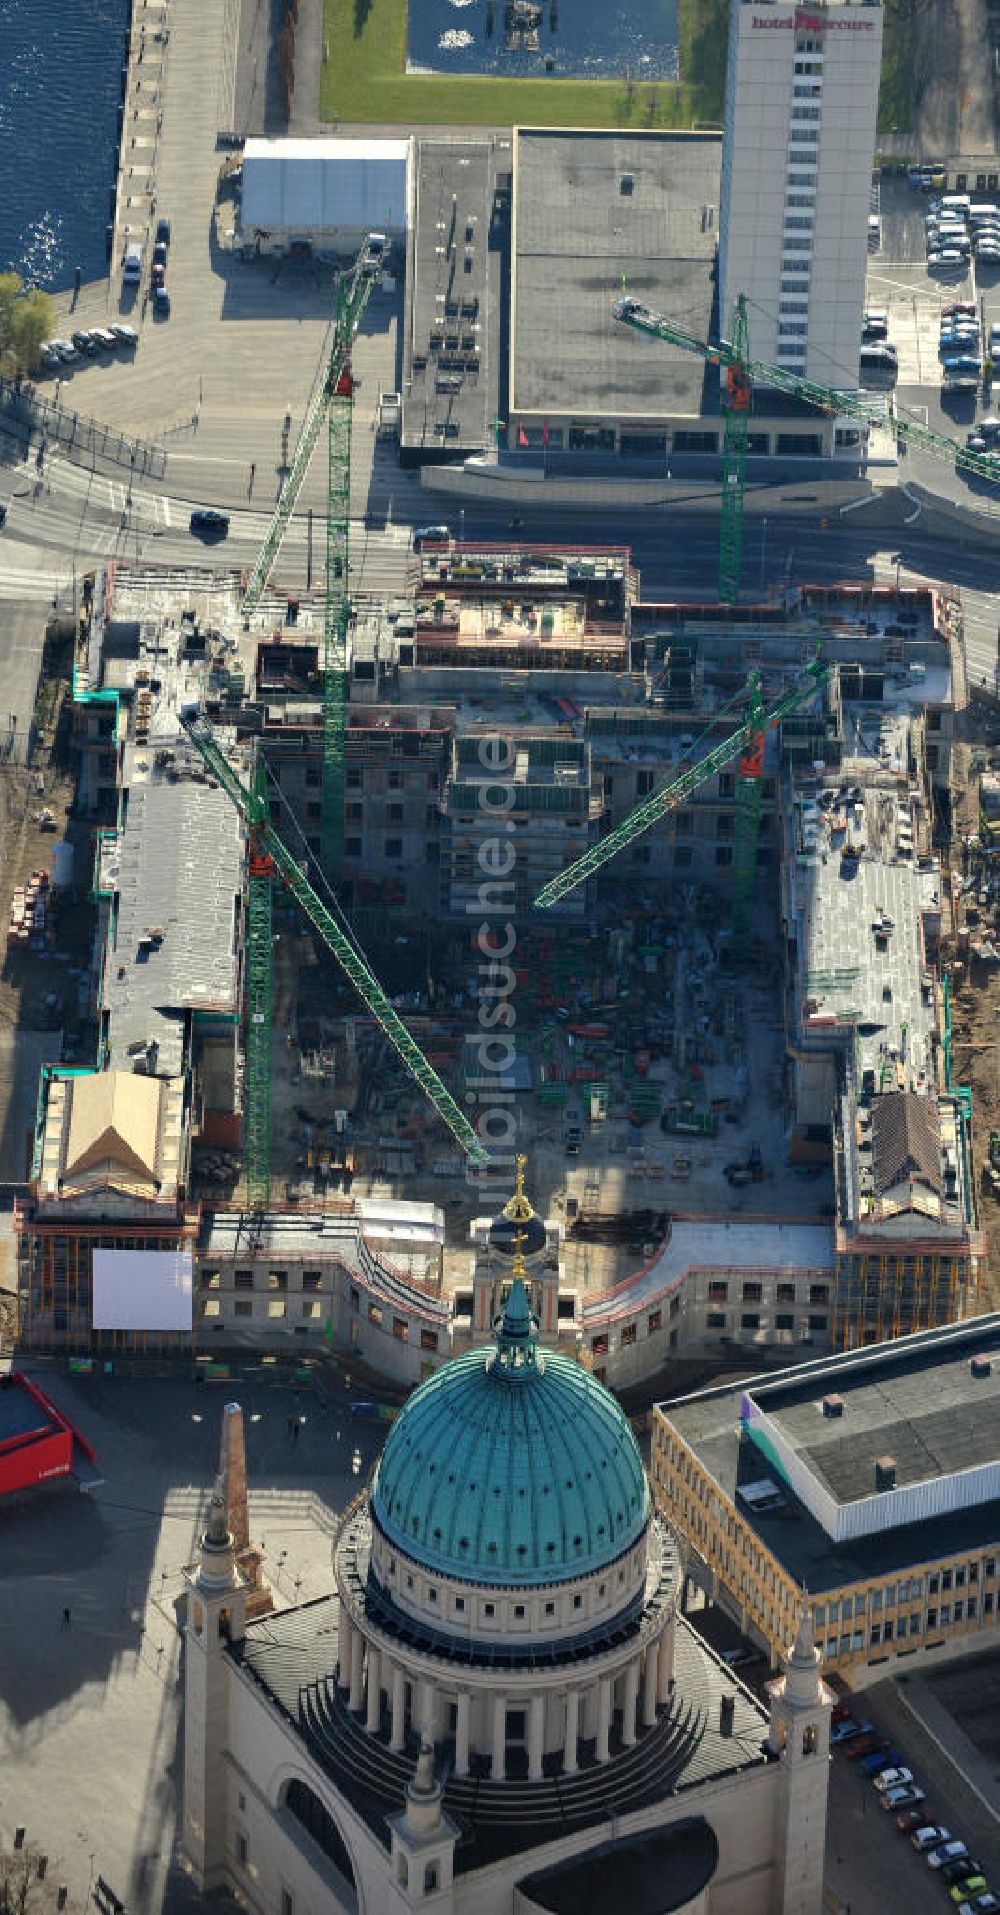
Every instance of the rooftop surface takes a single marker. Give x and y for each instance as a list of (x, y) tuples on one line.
[(580, 234), (292, 1657), (915, 1400), (450, 364), (179, 866)]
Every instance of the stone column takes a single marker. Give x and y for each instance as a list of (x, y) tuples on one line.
[(536, 1737), (603, 1719), (428, 1710), (462, 1721), (570, 1762), (398, 1709), (499, 1769), (665, 1665), (631, 1698), (345, 1632), (374, 1715), (357, 1691), (649, 1686)]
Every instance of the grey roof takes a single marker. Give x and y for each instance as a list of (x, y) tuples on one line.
[(577, 237), (450, 387), (915, 1400), (292, 1658), (906, 1135), (179, 873)]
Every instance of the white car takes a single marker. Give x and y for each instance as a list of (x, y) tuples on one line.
[(892, 1779), (949, 256), (905, 1797), (66, 350), (929, 1837), (947, 1852)]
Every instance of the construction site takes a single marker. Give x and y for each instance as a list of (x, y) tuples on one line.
[(384, 937)]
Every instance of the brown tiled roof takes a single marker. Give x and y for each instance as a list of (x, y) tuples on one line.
[(906, 1138)]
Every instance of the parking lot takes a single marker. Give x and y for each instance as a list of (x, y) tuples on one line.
[(901, 284), (872, 1866)]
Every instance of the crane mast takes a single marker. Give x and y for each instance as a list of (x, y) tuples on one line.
[(743, 374), (747, 741), (266, 846)]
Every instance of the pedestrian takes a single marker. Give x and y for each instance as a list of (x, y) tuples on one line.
[(296, 1426), (253, 474), (67, 1618), (291, 1426)]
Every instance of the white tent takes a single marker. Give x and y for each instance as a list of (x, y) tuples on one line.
[(324, 190)]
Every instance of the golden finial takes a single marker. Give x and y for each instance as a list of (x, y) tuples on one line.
[(517, 1267), (518, 1208)]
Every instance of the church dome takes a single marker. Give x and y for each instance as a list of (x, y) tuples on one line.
[(511, 1466)]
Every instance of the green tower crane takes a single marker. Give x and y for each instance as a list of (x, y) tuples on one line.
[(743, 374), (333, 400), (746, 743), (272, 858), (257, 1092)]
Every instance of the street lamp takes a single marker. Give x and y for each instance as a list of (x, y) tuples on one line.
[(763, 550)]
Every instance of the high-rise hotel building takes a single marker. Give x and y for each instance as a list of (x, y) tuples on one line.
[(801, 105)]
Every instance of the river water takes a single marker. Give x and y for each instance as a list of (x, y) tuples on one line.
[(60, 90), (592, 39)]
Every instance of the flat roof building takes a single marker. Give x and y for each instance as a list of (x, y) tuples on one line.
[(870, 1480), (594, 213), (322, 195)]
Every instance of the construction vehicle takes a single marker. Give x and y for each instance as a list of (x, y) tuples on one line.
[(742, 374), (270, 859), (745, 743), (333, 400)]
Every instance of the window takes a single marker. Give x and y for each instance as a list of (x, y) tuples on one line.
[(810, 1739), (242, 1848), (784, 1321), (550, 1609), (799, 113), (750, 1320), (945, 1613), (876, 1634), (210, 1279), (959, 1611), (683, 857), (312, 1309), (312, 1280), (817, 1323), (352, 847), (653, 1322), (725, 824), (599, 1344), (374, 1313), (394, 847), (243, 1279), (960, 1577), (946, 1579), (459, 1605), (489, 1609), (431, 1877), (354, 813), (313, 809), (723, 854), (432, 1595), (428, 1339), (819, 1293), (796, 246), (243, 1307), (400, 1329), (628, 1335), (578, 1601), (353, 779), (395, 814), (786, 1293), (799, 199), (798, 222), (355, 1298), (718, 1290), (933, 1585), (277, 1279), (312, 777), (753, 1293), (213, 1307), (276, 1306), (319, 1825), (716, 1320), (519, 1611)]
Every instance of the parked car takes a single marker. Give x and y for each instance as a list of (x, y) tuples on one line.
[(961, 1871), (985, 1903), (430, 535), (865, 1745), (103, 338), (945, 260), (960, 308), (893, 1779), (158, 273), (973, 1885), (946, 1852), (929, 1837), (124, 335), (160, 254), (903, 1798), (66, 351), (161, 303), (83, 343), (212, 523), (995, 338), (918, 1818), (882, 1759), (163, 232), (49, 357)]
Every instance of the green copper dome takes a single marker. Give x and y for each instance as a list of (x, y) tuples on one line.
[(511, 1466)]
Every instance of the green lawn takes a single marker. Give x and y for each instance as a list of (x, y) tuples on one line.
[(364, 80)]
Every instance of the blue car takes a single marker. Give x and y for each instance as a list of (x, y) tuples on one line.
[(874, 1764)]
